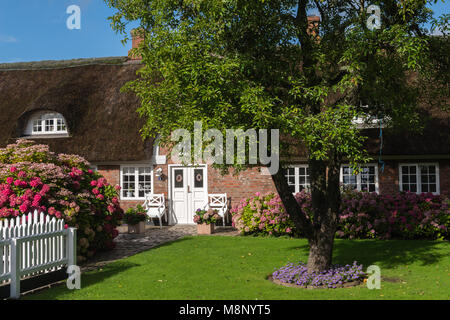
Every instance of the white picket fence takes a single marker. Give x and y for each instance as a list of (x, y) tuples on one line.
[(33, 244)]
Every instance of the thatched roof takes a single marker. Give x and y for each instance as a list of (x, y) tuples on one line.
[(103, 123), (432, 142), (434, 139)]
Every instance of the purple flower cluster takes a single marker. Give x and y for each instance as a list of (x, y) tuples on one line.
[(334, 277)]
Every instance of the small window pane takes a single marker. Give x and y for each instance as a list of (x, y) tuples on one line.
[(178, 178), (198, 178), (49, 125)]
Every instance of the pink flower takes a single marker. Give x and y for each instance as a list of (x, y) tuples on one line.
[(22, 174), (100, 197), (23, 207), (45, 188), (93, 183), (13, 169), (95, 191), (9, 180)]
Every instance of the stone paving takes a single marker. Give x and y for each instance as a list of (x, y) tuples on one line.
[(131, 244)]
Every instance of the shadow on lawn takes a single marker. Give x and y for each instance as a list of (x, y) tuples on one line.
[(105, 272), (384, 253)]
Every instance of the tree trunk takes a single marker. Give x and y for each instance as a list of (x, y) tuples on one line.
[(321, 249), (290, 204), (320, 229), (326, 202)]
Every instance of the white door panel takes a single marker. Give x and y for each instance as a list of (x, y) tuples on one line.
[(188, 192)]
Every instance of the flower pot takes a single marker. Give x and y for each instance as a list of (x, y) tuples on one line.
[(137, 228), (205, 228)]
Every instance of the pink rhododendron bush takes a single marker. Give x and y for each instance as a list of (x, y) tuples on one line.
[(63, 186), (402, 216), (262, 215), (363, 215)]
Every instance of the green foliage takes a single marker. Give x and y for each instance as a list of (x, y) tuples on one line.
[(255, 64)]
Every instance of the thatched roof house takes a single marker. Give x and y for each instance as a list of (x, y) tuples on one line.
[(76, 107)]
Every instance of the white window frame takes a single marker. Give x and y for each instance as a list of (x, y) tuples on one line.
[(136, 177), (297, 176), (419, 176), (41, 119), (358, 176)]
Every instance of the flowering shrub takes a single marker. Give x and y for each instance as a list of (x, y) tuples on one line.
[(135, 215), (262, 215), (206, 216), (63, 186), (335, 277), (363, 215), (404, 215)]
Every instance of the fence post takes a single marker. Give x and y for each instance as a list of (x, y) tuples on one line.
[(15, 268), (72, 247)]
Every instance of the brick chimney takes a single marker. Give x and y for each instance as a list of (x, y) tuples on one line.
[(137, 36)]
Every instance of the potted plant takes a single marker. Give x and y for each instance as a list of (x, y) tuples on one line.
[(205, 220), (135, 219)]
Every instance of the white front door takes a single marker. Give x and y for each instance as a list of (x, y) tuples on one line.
[(189, 192)]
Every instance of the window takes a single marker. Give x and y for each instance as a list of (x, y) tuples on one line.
[(136, 181), (365, 180), (47, 123), (419, 178), (297, 178)]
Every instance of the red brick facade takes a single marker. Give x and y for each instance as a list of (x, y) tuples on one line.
[(248, 182)]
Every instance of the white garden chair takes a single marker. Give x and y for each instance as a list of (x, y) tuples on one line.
[(219, 202), (155, 206)]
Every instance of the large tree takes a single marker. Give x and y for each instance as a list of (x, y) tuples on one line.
[(263, 64)]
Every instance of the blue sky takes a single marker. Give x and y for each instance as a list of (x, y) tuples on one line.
[(33, 30)]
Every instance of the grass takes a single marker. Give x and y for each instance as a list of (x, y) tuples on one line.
[(220, 267)]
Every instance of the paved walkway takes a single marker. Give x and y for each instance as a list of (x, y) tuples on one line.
[(131, 244)]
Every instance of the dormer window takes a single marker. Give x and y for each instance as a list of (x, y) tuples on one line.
[(46, 123)]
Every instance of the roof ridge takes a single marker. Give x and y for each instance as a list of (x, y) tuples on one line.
[(65, 64)]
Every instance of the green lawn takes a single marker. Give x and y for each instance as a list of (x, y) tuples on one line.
[(216, 267)]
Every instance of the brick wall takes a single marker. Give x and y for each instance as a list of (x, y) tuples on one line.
[(388, 179), (444, 177), (248, 182)]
